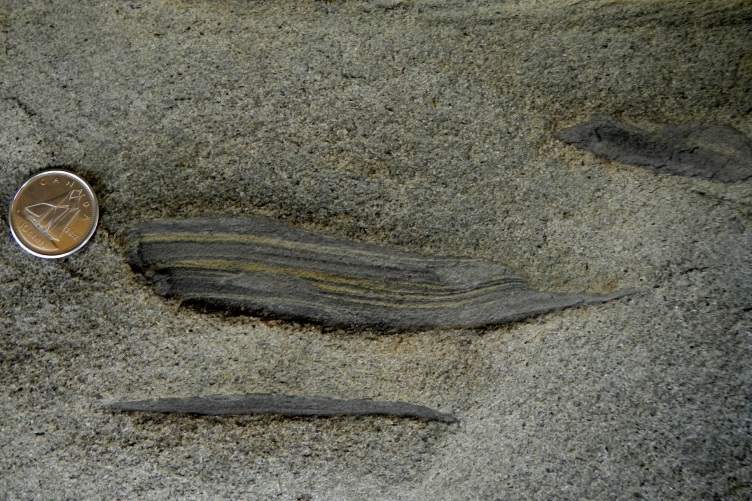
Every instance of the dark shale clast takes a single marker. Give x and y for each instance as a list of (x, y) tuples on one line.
[(271, 269), (715, 152), (283, 405)]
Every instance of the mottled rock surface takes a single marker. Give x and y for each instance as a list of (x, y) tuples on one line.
[(421, 126)]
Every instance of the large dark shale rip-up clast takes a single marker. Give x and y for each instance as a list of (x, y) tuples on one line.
[(271, 269)]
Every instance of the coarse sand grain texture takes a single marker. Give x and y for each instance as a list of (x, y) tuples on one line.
[(420, 126)]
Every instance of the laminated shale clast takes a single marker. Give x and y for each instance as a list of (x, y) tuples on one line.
[(274, 270)]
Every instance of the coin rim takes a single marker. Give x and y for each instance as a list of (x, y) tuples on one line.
[(89, 234)]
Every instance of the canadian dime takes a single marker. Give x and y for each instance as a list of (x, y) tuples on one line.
[(53, 214)]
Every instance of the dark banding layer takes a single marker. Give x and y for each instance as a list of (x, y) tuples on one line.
[(271, 269), (284, 405), (715, 152)]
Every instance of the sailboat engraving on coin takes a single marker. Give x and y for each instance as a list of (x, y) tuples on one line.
[(54, 214), (52, 218)]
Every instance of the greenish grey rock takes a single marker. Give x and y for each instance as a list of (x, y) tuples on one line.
[(421, 126)]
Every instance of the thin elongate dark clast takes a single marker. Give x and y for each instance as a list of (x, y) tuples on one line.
[(284, 405), (271, 269), (715, 152)]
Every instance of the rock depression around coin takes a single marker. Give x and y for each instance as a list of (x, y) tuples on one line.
[(271, 269)]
